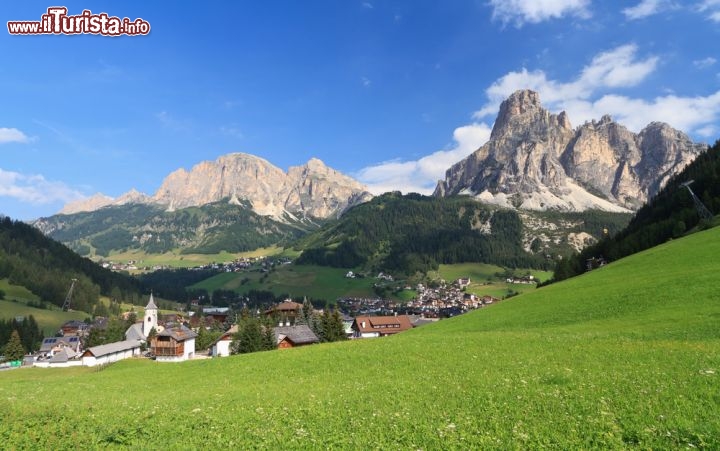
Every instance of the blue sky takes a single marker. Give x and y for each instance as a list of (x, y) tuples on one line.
[(390, 92)]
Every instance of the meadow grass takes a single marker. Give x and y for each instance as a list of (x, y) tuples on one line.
[(16, 304), (176, 259), (318, 282), (17, 292), (48, 320), (626, 356), (483, 278)]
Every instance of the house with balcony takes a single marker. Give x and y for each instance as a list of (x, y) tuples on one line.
[(175, 344)]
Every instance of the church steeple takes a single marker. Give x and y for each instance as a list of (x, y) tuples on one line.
[(150, 320)]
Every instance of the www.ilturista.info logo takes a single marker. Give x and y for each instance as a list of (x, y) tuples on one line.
[(56, 21)]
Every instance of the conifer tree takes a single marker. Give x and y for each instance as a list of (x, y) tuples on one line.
[(14, 349)]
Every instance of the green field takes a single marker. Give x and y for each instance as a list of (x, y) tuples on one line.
[(318, 282), (483, 279), (176, 259), (627, 356), (15, 304)]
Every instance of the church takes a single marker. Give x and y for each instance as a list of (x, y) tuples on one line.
[(167, 344)]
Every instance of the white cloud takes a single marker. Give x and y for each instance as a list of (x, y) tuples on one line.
[(35, 189), (9, 135), (421, 175), (612, 69), (366, 82), (535, 11), (644, 9), (584, 100), (711, 8), (367, 5), (705, 63)]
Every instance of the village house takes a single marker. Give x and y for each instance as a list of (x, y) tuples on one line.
[(221, 346), (111, 352), (526, 280), (285, 311), (217, 314), (54, 345), (75, 328), (380, 326), (175, 344), (463, 282), (294, 336)]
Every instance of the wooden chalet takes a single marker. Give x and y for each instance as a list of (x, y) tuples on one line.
[(174, 344), (286, 311)]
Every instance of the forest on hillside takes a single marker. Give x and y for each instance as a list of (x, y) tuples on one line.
[(47, 267), (415, 233)]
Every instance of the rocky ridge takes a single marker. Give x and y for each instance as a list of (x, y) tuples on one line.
[(311, 190), (535, 160)]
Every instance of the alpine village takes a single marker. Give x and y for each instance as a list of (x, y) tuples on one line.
[(557, 290)]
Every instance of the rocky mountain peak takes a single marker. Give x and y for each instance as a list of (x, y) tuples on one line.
[(522, 111), (313, 189), (92, 203), (310, 190), (535, 160)]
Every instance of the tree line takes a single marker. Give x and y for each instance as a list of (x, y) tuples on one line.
[(29, 335)]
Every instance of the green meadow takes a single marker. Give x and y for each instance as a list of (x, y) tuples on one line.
[(15, 304), (322, 282), (317, 282), (177, 259), (484, 279), (623, 357)]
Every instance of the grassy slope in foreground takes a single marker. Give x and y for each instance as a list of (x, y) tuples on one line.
[(625, 356)]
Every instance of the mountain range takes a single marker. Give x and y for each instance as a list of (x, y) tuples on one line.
[(312, 190), (534, 162)]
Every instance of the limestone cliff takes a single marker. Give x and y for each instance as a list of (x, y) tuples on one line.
[(312, 190), (535, 160)]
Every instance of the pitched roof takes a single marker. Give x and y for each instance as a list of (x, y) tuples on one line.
[(63, 356), (51, 342), (181, 333), (76, 324), (286, 306), (228, 335), (111, 348), (135, 332), (151, 303), (300, 334), (382, 324)]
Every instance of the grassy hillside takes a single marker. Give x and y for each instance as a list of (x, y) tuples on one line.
[(627, 356), (178, 259), (484, 278), (15, 304), (316, 282), (208, 229), (46, 267)]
